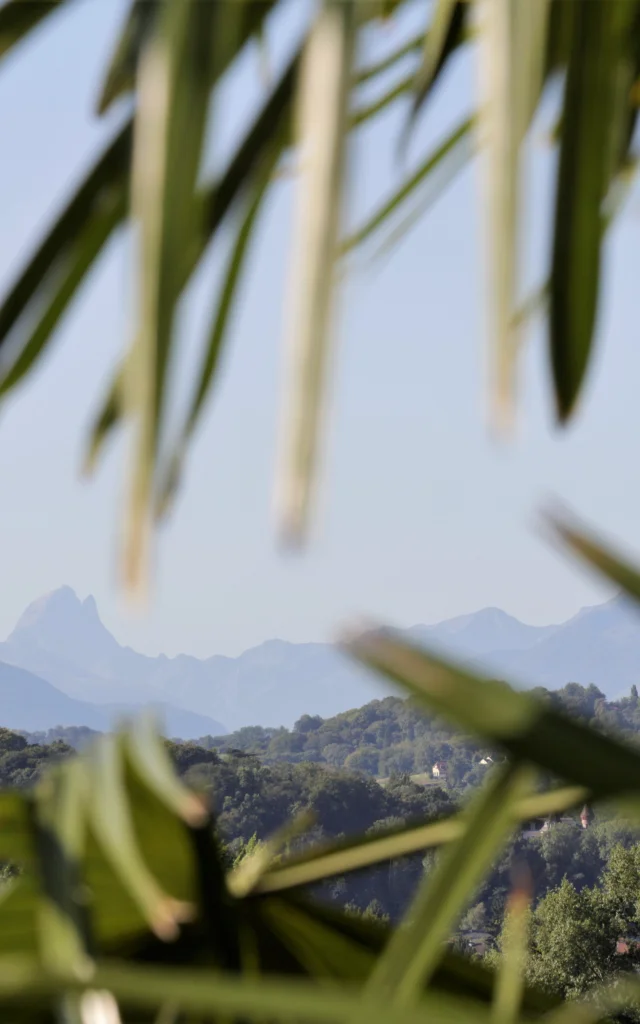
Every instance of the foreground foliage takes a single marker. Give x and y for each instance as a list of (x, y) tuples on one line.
[(172, 56)]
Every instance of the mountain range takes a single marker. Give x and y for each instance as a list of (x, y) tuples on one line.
[(61, 666)]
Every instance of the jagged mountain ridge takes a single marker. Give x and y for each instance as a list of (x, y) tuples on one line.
[(63, 641)]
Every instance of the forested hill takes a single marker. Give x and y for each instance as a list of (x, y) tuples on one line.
[(391, 736)]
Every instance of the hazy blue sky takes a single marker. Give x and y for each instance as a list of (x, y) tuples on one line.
[(421, 516)]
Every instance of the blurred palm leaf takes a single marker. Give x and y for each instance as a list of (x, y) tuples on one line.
[(600, 556), (597, 96), (512, 50), (353, 855), (174, 83), (509, 988), (445, 33), (19, 17), (415, 949), (525, 726), (325, 78)]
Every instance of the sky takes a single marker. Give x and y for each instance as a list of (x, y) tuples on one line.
[(421, 515)]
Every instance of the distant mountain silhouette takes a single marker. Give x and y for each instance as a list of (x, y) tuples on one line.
[(30, 703), (482, 633), (61, 639)]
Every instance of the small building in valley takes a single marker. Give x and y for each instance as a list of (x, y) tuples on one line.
[(439, 770)]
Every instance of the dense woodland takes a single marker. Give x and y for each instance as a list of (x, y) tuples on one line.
[(585, 883)]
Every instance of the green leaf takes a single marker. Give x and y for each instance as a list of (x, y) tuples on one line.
[(225, 995), (455, 974), (79, 256), (60, 826), (325, 78), (319, 948), (270, 124), (121, 71), (272, 119), (19, 904), (370, 110), (445, 34), (246, 877), (559, 36), (601, 557), (458, 141), (47, 279), (173, 98), (19, 17), (415, 949), (147, 757), (16, 839), (120, 77), (591, 107), (114, 831), (220, 324), (160, 805), (512, 44), (526, 727), (435, 184), (109, 415), (405, 50), (341, 858), (510, 983)]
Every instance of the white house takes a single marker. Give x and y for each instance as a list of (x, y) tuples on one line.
[(486, 761), (439, 770)]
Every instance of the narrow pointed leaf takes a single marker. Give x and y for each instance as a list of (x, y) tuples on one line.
[(370, 71), (80, 255), (220, 326), (526, 727), (59, 824), (454, 974), (319, 948), (512, 41), (371, 110), (148, 758), (415, 949), (510, 983), (341, 858), (245, 879), (599, 41), (19, 17), (272, 122), (323, 110), (109, 416), (113, 828), (433, 187), (120, 77), (458, 142), (173, 96), (445, 34), (121, 72), (558, 46), (601, 557), (51, 268)]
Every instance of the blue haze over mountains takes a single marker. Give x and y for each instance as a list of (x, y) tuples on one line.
[(61, 666)]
